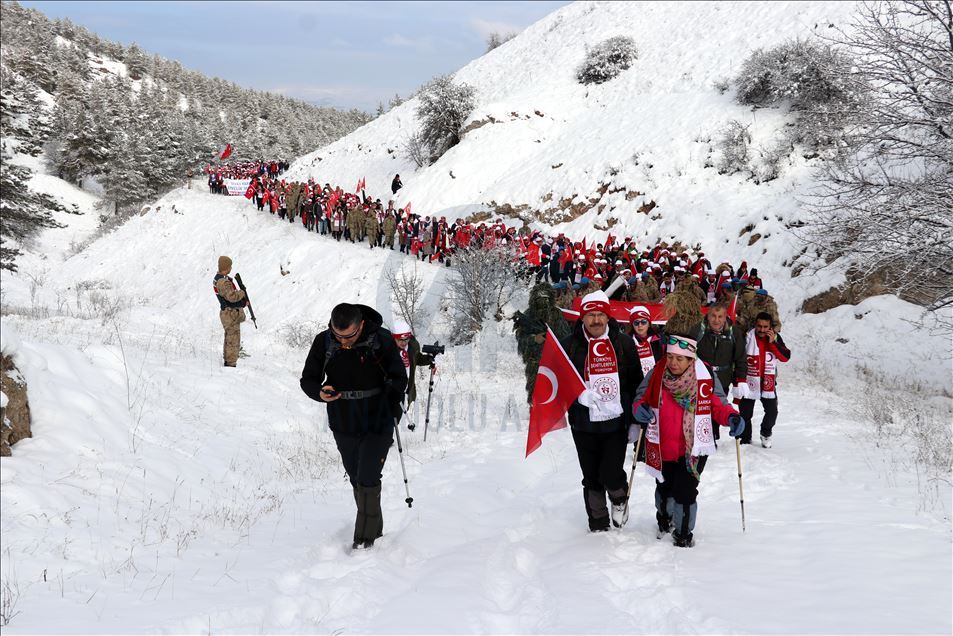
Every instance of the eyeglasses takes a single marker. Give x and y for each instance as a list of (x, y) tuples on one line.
[(640, 322), (404, 338), (682, 344)]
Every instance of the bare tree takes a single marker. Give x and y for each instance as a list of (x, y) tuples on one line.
[(407, 293), (415, 150), (884, 206), (483, 282), (495, 39)]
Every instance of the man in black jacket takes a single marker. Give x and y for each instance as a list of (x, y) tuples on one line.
[(721, 345), (354, 366), (607, 361)]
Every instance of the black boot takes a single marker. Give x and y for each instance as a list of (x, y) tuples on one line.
[(369, 525), (596, 509)]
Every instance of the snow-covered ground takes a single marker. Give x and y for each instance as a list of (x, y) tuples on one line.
[(163, 493)]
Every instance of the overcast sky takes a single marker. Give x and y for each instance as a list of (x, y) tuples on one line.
[(344, 54)]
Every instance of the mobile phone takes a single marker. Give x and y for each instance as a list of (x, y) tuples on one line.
[(329, 393)]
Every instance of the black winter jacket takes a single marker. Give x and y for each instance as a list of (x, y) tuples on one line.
[(372, 363), (724, 352), (630, 377)]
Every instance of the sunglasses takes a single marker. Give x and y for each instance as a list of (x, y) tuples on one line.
[(682, 344), (640, 322), (341, 336)]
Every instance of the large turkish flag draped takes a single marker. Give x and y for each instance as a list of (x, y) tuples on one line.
[(558, 385)]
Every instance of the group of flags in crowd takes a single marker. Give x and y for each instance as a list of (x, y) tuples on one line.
[(563, 386)]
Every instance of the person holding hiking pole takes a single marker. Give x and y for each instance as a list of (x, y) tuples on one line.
[(354, 366), (677, 405)]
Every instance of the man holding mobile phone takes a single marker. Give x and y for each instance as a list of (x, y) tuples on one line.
[(355, 368)]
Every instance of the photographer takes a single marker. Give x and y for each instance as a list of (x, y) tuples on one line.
[(411, 356), (355, 367)]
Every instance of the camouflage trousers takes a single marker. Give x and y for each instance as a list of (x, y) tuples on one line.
[(231, 322)]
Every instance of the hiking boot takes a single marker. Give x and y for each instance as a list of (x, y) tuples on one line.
[(620, 514), (679, 541), (230, 364), (766, 441), (664, 526)]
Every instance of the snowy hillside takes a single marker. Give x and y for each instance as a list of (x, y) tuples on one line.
[(539, 137), (163, 493)]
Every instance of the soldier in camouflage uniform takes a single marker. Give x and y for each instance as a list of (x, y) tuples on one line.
[(530, 328), (752, 302), (372, 228), (355, 219), (293, 199), (390, 227), (232, 314)]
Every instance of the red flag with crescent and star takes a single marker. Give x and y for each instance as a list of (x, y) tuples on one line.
[(226, 153), (558, 385)]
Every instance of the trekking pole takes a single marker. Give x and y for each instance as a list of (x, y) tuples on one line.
[(400, 453), (635, 460), (433, 368), (741, 490), (410, 426)]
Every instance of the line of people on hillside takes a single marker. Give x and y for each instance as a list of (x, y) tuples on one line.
[(244, 170)]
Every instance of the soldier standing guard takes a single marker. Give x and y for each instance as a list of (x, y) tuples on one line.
[(232, 314)]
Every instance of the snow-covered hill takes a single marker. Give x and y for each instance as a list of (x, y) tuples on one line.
[(163, 493), (539, 137)]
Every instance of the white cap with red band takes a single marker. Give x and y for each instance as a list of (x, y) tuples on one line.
[(596, 301)]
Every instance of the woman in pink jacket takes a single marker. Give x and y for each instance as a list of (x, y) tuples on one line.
[(677, 405)]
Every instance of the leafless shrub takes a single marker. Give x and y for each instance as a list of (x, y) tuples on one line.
[(733, 144), (299, 334), (415, 150), (407, 293), (495, 39), (483, 281)]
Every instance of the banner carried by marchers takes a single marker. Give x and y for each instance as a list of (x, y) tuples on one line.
[(621, 310), (236, 187), (558, 385)]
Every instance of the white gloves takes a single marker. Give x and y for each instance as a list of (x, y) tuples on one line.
[(741, 392)]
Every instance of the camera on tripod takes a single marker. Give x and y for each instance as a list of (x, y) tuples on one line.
[(434, 349)]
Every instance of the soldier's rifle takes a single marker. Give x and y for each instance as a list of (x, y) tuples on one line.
[(241, 286)]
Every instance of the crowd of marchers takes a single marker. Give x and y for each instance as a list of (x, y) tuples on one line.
[(667, 387)]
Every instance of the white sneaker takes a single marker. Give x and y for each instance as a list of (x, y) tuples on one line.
[(766, 441), (620, 514)]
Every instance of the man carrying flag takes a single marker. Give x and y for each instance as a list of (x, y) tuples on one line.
[(600, 417), (557, 386)]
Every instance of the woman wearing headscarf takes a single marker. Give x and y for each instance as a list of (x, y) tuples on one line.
[(677, 405)]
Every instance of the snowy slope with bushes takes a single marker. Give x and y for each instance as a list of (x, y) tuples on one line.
[(541, 142), (163, 493)]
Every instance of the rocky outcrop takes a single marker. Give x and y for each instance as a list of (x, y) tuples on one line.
[(15, 411)]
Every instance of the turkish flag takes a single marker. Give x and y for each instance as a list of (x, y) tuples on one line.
[(226, 153), (407, 209), (250, 192), (532, 255), (558, 385)]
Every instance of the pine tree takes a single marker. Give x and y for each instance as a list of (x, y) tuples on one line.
[(22, 212)]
